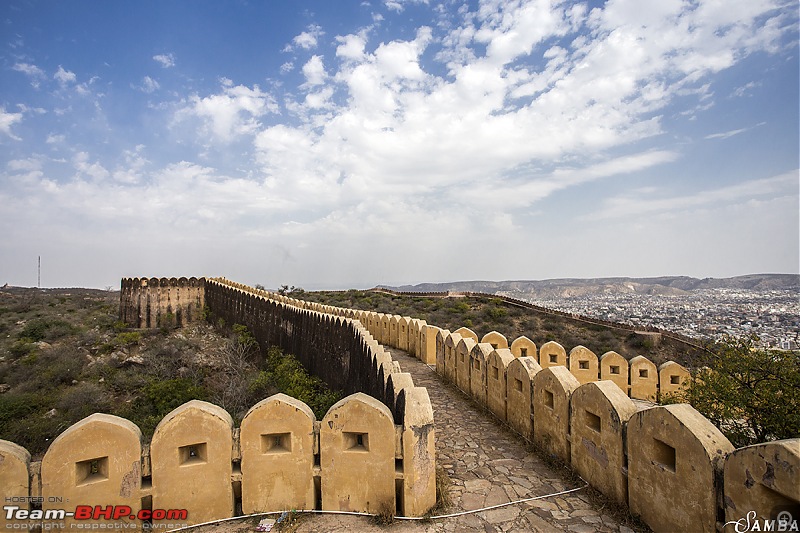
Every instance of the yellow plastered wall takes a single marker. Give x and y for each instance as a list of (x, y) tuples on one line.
[(277, 444), (672, 378), (598, 413), (478, 372), (496, 376), (583, 364), (643, 379), (96, 461), (191, 458), (675, 456), (552, 389), (14, 478), (357, 456), (463, 349), (552, 354), (764, 478), (496, 339), (519, 394), (614, 367), (419, 451), (524, 347)]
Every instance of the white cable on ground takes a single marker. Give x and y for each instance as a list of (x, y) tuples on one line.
[(353, 513)]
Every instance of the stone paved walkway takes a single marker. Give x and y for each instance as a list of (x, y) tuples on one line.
[(487, 465)]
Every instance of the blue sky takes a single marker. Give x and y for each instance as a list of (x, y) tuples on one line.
[(346, 144)]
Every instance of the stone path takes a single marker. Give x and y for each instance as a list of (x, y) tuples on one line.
[(487, 465)]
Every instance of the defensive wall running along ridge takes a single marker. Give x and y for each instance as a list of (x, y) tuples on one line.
[(669, 464)]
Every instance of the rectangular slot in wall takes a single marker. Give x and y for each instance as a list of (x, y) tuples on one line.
[(674, 380), (643, 373), (518, 384), (477, 364), (356, 442), (523, 352), (495, 373), (553, 358), (614, 369), (583, 365), (549, 401), (91, 471), (193, 454), (276, 443), (664, 455), (592, 421)]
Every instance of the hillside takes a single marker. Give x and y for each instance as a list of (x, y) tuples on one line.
[(64, 356), (484, 314), (571, 287)]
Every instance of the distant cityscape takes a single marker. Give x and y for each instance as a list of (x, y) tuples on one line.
[(772, 315)]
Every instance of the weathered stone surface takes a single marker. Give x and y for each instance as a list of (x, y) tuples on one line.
[(277, 446), (674, 456), (96, 461)]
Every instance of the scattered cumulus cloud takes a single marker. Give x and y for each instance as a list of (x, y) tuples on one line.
[(308, 39), (314, 71), (165, 60), (148, 85), (33, 72), (64, 77), (399, 5), (230, 113), (7, 120)]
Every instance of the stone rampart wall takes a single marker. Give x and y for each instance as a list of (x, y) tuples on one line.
[(354, 459), (669, 464), (367, 454), (157, 302)]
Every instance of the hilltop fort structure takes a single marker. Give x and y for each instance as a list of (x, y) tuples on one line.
[(374, 450)]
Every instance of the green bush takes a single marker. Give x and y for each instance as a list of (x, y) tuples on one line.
[(752, 395), (496, 313), (43, 329), (287, 375)]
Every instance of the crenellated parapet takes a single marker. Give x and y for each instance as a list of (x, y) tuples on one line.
[(161, 302)]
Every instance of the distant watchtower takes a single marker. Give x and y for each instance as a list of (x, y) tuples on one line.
[(161, 302)]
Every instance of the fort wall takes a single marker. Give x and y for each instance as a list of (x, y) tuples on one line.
[(667, 463), (364, 455)]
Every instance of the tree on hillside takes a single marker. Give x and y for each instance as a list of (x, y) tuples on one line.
[(751, 394)]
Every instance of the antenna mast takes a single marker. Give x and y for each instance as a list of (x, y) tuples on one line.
[(40, 272)]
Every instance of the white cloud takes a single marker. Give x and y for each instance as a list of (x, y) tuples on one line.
[(165, 60), (232, 112), (287, 67), (95, 171), (64, 77), (400, 5), (148, 85), (7, 120), (55, 138), (351, 47), (656, 202), (314, 71), (308, 39), (32, 71)]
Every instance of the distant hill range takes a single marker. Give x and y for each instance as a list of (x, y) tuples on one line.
[(571, 287)]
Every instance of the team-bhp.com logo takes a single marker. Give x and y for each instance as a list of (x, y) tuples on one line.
[(784, 521), (97, 512)]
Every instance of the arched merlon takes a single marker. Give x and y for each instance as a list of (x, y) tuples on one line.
[(97, 459), (764, 478), (15, 464), (675, 456)]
